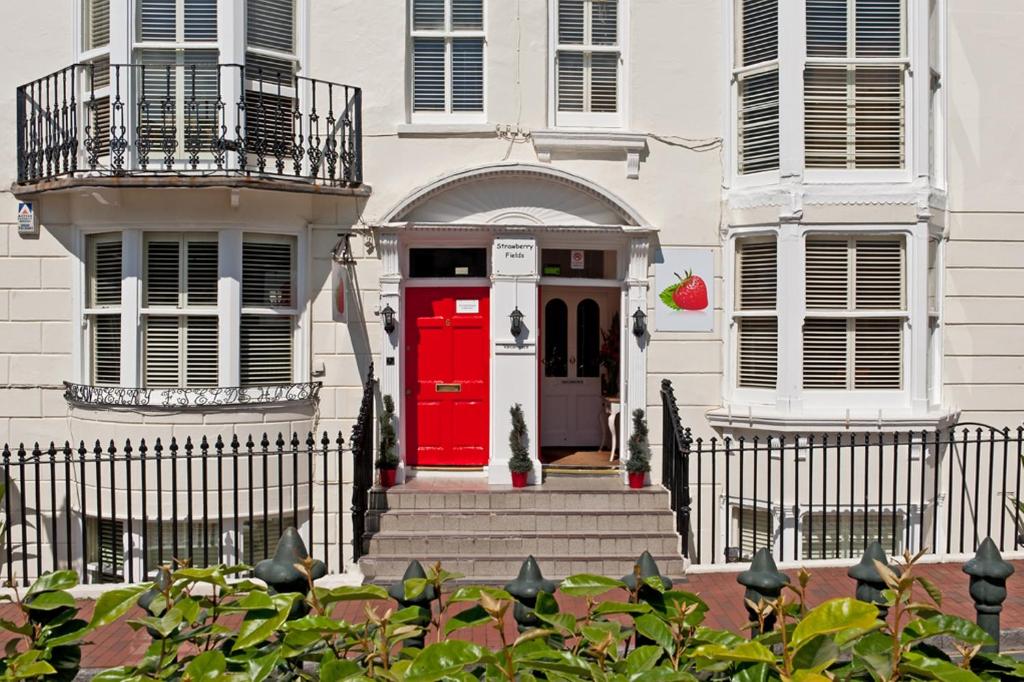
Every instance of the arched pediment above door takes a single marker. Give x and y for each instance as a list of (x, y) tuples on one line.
[(514, 194)]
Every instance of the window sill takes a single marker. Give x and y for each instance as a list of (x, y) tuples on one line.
[(446, 130), (189, 398), (555, 141), (763, 418)]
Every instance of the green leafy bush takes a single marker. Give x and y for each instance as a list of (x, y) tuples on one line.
[(645, 633)]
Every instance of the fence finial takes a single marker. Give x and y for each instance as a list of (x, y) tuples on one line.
[(525, 588), (281, 575), (422, 601), (988, 573), (764, 582), (870, 583)]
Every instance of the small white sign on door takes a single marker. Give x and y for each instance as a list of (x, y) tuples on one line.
[(578, 260), (467, 306)]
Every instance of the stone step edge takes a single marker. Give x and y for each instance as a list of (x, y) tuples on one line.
[(473, 511), (515, 534), (503, 490), (372, 558)]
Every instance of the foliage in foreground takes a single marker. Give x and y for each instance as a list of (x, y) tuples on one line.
[(209, 626)]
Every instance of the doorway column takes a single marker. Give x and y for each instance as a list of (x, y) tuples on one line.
[(514, 259), (636, 348), (391, 349)]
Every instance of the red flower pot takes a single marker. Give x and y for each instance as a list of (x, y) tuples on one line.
[(519, 479), (636, 479), (387, 477)]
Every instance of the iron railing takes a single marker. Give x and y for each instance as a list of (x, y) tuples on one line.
[(827, 496), (114, 514), (96, 119), (363, 439)]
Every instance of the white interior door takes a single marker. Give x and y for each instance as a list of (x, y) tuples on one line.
[(572, 413)]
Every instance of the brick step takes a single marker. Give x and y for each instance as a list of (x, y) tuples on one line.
[(518, 521), (598, 543), (497, 570), (647, 499)]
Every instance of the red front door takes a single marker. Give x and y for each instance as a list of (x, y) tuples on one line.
[(447, 353)]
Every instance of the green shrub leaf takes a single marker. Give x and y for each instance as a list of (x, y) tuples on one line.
[(468, 618), (935, 668), (443, 659), (339, 669), (48, 601), (816, 654), (954, 626), (610, 607), (654, 628), (753, 652), (208, 665), (642, 659), (115, 603), (259, 624), (587, 585), (57, 580), (833, 616)]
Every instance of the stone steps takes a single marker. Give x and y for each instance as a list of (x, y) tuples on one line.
[(569, 524)]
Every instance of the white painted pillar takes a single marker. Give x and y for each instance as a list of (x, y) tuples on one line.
[(390, 364), (229, 303), (131, 289), (514, 282), (635, 389), (231, 31)]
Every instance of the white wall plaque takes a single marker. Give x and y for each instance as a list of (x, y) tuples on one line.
[(578, 260), (514, 256), (467, 306), (684, 280)]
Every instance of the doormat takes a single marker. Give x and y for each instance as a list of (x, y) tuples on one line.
[(577, 458)]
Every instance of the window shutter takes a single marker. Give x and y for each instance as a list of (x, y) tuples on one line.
[(201, 351), (96, 23), (758, 352), (830, 535), (877, 361), (108, 550), (202, 276), (201, 20), (163, 273), (158, 20), (267, 274), (270, 24), (163, 352), (570, 81), (428, 58), (604, 81), (428, 15), (756, 286), (825, 353), (853, 114), (758, 89), (827, 270), (106, 349), (571, 22), (467, 15), (753, 530), (467, 74), (105, 272), (266, 350), (879, 276), (604, 22)]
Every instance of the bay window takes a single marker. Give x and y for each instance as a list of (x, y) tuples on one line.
[(587, 58), (855, 67), (193, 288), (447, 60), (821, 318)]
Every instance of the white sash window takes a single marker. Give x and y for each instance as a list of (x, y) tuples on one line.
[(756, 73), (212, 309), (447, 60), (588, 63)]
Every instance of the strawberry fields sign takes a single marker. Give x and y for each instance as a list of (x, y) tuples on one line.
[(684, 280)]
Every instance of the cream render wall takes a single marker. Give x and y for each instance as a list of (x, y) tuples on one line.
[(984, 306)]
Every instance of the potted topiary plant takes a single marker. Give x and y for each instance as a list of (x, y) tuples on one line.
[(387, 457), (639, 462), (520, 464)]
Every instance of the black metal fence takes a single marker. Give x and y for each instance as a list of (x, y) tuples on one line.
[(194, 119), (827, 496), (115, 514)]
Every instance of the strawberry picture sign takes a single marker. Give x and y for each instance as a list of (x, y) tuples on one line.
[(684, 281)]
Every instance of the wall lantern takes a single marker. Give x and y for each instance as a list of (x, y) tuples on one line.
[(516, 317), (388, 313), (639, 323)]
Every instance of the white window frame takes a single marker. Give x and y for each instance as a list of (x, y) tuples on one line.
[(229, 299), (792, 62), (790, 399), (585, 120), (448, 35)]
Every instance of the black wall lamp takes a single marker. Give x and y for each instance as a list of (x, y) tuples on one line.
[(388, 313), (516, 316), (639, 323)]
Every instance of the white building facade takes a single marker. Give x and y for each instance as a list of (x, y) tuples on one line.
[(226, 210)]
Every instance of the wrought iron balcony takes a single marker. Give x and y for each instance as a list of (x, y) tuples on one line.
[(196, 120)]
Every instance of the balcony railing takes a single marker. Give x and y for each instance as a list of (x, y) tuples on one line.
[(126, 120)]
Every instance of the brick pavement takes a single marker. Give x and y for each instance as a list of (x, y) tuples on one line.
[(118, 644)]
